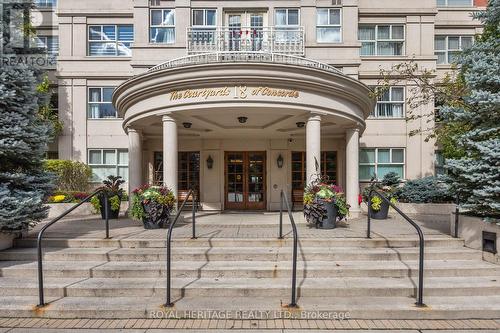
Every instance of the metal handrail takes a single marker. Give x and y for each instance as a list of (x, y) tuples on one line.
[(283, 197), (457, 216), (191, 192), (420, 291), (45, 227)]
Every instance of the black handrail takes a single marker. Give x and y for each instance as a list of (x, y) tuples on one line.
[(457, 216), (169, 303), (420, 292), (42, 231), (283, 198)]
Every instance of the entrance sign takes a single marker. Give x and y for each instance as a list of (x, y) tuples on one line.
[(237, 92)]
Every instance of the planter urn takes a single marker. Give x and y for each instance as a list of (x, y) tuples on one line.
[(329, 222), (155, 216), (112, 214), (382, 213)]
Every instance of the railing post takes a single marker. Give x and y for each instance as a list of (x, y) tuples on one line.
[(457, 216), (106, 212), (281, 216), (369, 204), (420, 300), (41, 301), (193, 211)]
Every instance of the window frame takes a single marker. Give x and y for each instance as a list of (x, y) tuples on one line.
[(100, 102), (376, 40), (170, 26), (117, 165), (46, 38), (287, 25), (447, 49), (204, 25), (330, 25), (45, 4), (447, 5), (303, 170), (374, 114), (376, 163), (116, 41)]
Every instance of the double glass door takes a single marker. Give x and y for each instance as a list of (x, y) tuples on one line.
[(245, 174), (245, 30)]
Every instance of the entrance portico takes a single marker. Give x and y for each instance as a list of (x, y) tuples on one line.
[(217, 104)]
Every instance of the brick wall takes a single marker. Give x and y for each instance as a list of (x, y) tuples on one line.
[(480, 3)]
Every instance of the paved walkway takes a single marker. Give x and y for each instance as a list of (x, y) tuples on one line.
[(240, 326), (238, 225)]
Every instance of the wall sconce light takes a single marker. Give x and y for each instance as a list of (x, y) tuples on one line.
[(187, 125), (242, 120), (300, 124), (280, 161), (210, 162)]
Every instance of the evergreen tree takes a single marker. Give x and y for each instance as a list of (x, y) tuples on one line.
[(23, 143), (476, 174)]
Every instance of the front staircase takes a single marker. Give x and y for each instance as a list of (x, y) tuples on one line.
[(364, 278)]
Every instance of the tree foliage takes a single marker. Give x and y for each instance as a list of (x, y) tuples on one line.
[(23, 140), (476, 174)]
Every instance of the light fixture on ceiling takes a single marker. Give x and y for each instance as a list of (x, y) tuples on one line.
[(242, 120), (300, 124), (187, 125)]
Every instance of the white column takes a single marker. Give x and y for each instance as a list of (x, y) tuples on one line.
[(134, 159), (352, 168), (170, 153), (313, 147)]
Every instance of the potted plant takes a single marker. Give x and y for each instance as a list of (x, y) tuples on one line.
[(379, 208), (324, 204), (114, 193), (152, 205)]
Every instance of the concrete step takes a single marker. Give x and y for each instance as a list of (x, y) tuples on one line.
[(435, 241), (248, 269), (239, 254), (469, 307), (260, 287)]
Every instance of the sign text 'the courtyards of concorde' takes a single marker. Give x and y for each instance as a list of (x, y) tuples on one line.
[(237, 92)]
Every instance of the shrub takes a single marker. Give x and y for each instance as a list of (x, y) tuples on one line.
[(71, 175), (425, 190)]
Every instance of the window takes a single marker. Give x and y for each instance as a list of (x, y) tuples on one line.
[(380, 161), (204, 24), (454, 3), (45, 3), (105, 162), (382, 40), (447, 48), (439, 163), (99, 103), (162, 26), (49, 43), (110, 40), (328, 26), (287, 23), (328, 168), (390, 104), (188, 170)]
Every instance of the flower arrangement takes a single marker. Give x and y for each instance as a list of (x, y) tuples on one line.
[(388, 187), (114, 193), (152, 205), (318, 196)]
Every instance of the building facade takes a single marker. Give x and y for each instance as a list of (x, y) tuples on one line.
[(241, 99)]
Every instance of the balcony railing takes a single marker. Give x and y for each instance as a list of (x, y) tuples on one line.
[(244, 56), (253, 39)]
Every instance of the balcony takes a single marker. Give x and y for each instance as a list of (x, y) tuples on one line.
[(246, 39)]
